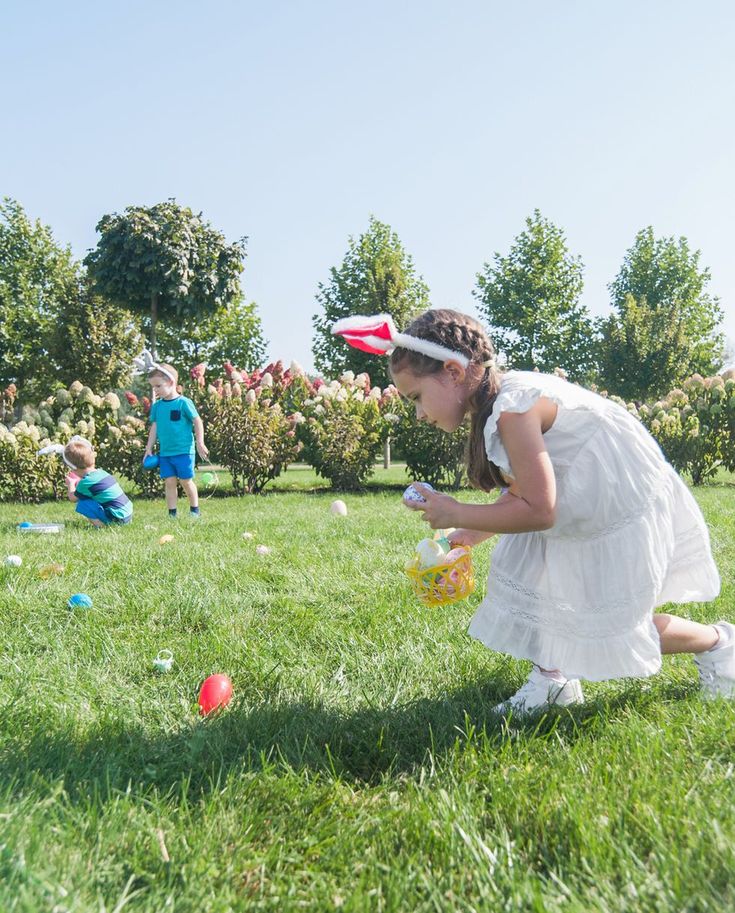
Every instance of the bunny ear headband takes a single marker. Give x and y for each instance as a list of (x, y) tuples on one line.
[(59, 448), (145, 363), (378, 335)]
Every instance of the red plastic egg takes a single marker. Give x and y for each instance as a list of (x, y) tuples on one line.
[(216, 691)]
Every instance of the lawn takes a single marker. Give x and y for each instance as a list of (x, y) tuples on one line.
[(358, 766)]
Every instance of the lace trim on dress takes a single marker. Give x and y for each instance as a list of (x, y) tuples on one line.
[(642, 599), (545, 602)]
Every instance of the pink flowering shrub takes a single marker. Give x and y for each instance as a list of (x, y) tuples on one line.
[(248, 421)]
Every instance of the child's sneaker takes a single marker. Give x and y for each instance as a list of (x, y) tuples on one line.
[(541, 692), (717, 666)]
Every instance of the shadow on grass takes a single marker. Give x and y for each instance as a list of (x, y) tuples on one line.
[(362, 746)]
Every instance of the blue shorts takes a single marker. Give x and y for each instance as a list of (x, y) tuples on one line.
[(181, 465), (93, 510)]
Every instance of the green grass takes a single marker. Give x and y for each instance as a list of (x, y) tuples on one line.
[(358, 766)]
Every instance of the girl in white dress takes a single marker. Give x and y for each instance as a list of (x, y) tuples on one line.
[(596, 529)]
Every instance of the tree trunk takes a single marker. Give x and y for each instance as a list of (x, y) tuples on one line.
[(386, 454), (154, 321)]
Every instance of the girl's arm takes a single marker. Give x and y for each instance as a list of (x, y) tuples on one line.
[(532, 504), (471, 537), (151, 440)]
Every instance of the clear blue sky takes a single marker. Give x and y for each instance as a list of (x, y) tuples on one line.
[(292, 122)]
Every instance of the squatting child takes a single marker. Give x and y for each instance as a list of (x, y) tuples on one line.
[(97, 494)]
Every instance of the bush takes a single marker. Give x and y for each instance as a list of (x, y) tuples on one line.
[(249, 427), (344, 428), (695, 424), (23, 476)]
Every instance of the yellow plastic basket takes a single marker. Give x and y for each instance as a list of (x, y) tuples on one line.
[(443, 584)]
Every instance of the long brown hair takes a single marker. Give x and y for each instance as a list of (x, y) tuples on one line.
[(464, 334)]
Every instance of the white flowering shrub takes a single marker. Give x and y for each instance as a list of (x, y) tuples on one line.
[(344, 428), (695, 424)]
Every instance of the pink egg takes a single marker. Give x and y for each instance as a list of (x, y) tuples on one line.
[(454, 554)]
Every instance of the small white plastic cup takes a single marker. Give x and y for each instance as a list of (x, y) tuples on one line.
[(164, 661)]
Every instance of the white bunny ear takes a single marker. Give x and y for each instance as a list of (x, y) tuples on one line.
[(51, 448), (144, 363)]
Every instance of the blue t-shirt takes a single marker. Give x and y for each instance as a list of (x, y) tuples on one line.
[(174, 420)]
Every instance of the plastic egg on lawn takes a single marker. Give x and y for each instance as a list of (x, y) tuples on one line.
[(79, 601), (338, 508), (13, 561), (216, 692)]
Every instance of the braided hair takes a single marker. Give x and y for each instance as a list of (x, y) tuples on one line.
[(464, 334)]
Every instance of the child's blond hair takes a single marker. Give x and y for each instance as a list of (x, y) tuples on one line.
[(79, 454)]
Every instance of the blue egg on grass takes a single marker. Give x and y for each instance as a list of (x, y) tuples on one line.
[(151, 462), (25, 525), (79, 601)]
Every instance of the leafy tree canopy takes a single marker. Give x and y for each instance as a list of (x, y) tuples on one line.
[(165, 259), (664, 275), (531, 302), (376, 277)]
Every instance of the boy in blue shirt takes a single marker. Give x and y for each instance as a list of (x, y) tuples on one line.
[(176, 424), (97, 494)]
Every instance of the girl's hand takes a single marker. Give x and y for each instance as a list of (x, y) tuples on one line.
[(438, 509), (148, 452), (468, 537), (202, 450)]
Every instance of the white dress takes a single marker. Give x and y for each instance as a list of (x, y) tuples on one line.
[(628, 537)]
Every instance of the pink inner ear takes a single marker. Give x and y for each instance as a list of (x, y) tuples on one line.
[(365, 347)]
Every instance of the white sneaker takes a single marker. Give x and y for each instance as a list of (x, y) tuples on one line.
[(717, 667), (541, 692)]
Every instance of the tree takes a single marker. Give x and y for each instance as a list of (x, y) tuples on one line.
[(530, 300), (36, 276), (643, 351), (166, 260), (376, 277), (232, 334), (93, 341), (663, 277)]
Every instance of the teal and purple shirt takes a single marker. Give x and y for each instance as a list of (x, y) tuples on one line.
[(103, 488)]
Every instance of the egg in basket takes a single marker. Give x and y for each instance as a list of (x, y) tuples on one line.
[(440, 574)]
